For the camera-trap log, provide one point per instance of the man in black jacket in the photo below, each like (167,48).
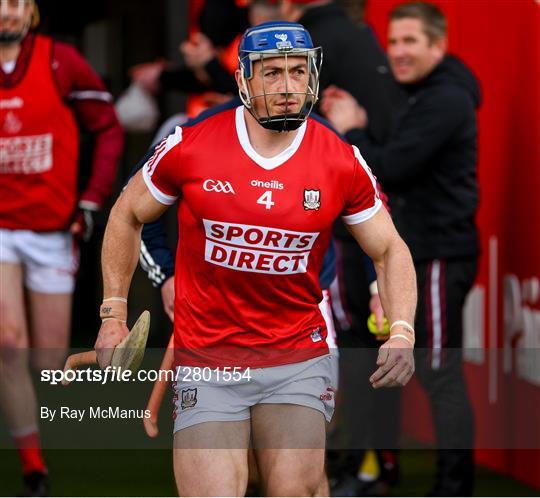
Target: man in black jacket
(427,167)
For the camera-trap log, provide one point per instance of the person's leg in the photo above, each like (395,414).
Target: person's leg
(51,262)
(50,319)
(212,433)
(211,459)
(17,396)
(442,288)
(16,393)
(289,443)
(323,489)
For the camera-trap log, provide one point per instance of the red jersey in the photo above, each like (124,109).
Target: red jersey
(253,232)
(39,144)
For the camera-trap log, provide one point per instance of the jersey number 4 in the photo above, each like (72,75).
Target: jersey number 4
(266,200)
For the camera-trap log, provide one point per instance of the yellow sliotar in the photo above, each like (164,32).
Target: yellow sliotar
(372,327)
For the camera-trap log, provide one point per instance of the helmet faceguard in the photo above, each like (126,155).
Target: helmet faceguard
(15,9)
(286,40)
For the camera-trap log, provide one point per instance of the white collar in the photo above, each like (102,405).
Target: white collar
(267,163)
(9,67)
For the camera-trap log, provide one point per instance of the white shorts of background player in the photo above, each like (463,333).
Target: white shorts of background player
(50,259)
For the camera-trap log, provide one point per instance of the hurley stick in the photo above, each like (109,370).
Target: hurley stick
(128,354)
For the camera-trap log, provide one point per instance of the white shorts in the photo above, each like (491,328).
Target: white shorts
(217,398)
(49,259)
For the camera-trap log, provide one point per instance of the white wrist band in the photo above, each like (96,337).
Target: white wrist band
(404,324)
(112,318)
(408,339)
(116,298)
(373,288)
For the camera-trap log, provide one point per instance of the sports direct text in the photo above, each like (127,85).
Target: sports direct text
(26,155)
(257,249)
(119,374)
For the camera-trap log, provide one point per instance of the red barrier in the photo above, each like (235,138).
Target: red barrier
(500,41)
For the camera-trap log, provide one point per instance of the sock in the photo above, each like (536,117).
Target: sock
(28,445)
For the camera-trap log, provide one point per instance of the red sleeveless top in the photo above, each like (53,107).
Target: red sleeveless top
(39,148)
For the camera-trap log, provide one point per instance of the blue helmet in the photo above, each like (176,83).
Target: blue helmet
(279,39)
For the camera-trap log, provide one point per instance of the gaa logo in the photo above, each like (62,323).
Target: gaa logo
(218,186)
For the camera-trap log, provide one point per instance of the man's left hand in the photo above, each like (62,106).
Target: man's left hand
(395,362)
(83,224)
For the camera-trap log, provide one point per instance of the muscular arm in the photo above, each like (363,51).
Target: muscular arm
(397,288)
(121,243)
(396,277)
(120,253)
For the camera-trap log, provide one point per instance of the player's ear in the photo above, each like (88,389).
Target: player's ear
(243,89)
(238,78)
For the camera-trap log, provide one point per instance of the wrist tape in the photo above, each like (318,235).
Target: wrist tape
(113,307)
(406,333)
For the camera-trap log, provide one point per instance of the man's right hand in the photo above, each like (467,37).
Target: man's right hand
(197,51)
(111,333)
(147,75)
(342,110)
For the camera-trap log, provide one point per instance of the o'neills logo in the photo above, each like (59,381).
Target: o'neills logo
(257,249)
(13,103)
(274,184)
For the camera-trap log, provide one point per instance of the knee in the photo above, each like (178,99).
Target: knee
(13,346)
(12,334)
(234,484)
(284,481)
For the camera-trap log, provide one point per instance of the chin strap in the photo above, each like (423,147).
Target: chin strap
(281,123)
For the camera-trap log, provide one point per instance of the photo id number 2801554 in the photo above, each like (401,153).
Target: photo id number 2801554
(220,374)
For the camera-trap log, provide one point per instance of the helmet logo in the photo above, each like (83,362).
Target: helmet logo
(284,44)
